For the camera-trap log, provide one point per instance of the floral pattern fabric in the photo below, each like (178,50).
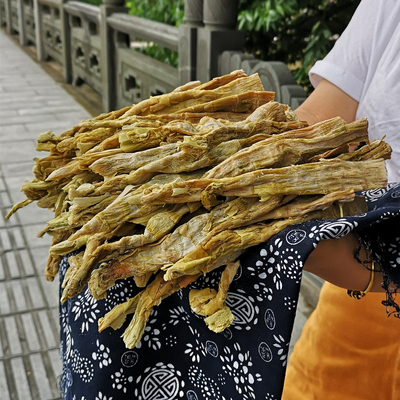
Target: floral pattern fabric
(178,356)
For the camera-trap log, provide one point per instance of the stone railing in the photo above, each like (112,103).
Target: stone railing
(135,76)
(81,35)
(49,30)
(98,46)
(275,76)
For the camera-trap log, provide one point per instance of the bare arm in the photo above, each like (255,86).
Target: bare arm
(327,101)
(333,259)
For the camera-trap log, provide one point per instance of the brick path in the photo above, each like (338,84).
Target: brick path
(31,102)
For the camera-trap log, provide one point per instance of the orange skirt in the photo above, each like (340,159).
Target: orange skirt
(349,350)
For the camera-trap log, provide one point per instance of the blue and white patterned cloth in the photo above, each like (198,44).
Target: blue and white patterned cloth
(178,356)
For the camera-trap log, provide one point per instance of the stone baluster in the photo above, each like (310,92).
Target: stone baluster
(220,14)
(21,23)
(219,34)
(194,12)
(37,15)
(7,12)
(107,64)
(66,44)
(193,19)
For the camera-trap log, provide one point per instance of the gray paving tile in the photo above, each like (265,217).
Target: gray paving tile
(5,200)
(2,270)
(8,224)
(5,305)
(65,101)
(13,185)
(16,151)
(23,135)
(71,116)
(41,81)
(31,231)
(19,264)
(5,242)
(22,119)
(8,132)
(21,103)
(14,344)
(40,255)
(52,109)
(35,292)
(19,372)
(51,291)
(54,356)
(3,382)
(54,311)
(3,222)
(33,214)
(41,378)
(16,237)
(4,113)
(55,125)
(21,66)
(50,331)
(9,82)
(11,91)
(19,169)
(31,334)
(51,91)
(17,291)
(13,266)
(1,349)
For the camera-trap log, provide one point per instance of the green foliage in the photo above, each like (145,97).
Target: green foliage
(296,32)
(169,12)
(162,54)
(93,2)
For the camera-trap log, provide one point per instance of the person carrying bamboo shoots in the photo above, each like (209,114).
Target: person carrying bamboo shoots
(182,225)
(350,348)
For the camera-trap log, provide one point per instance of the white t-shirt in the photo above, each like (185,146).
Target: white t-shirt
(365,63)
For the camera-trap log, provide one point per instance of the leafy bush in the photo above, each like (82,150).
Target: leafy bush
(297,32)
(169,12)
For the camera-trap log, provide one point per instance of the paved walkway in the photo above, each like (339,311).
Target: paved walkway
(31,102)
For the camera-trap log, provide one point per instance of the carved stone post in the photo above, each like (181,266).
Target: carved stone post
(218,35)
(194,12)
(107,65)
(37,15)
(220,14)
(187,48)
(7,9)
(66,44)
(21,23)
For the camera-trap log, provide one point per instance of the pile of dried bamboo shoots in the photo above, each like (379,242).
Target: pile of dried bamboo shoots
(183,183)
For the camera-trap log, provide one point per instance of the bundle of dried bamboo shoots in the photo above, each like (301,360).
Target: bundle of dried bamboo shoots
(181,184)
